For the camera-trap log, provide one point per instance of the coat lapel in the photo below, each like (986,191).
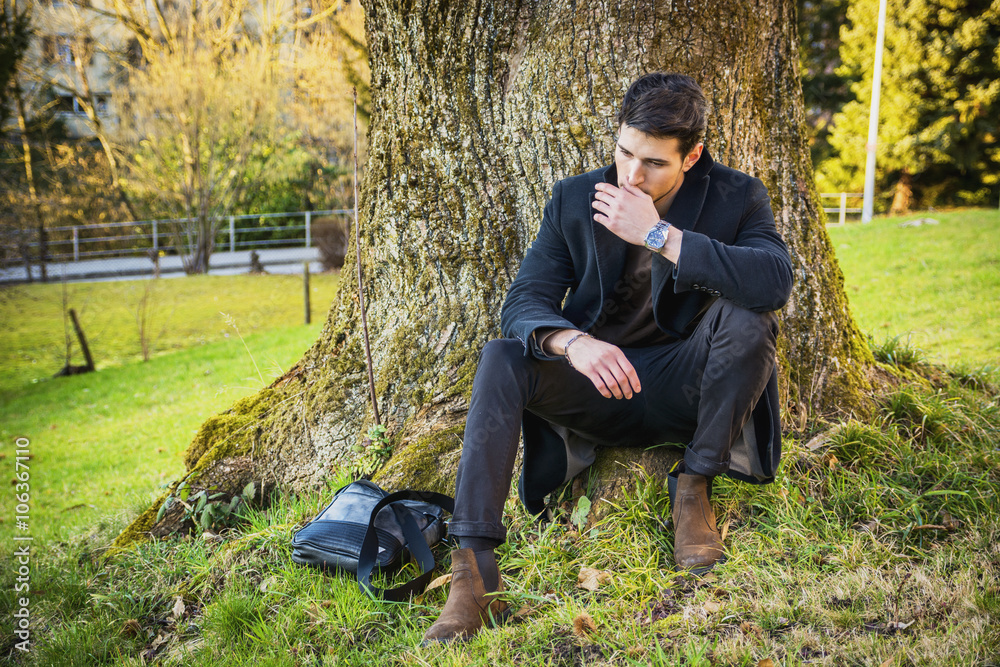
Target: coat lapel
(683,214)
(608,248)
(690,199)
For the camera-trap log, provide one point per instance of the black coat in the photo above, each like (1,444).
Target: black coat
(730,249)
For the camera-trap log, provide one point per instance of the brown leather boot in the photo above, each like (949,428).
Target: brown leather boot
(469,606)
(697,543)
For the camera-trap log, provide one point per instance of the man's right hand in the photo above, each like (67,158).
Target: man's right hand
(603,363)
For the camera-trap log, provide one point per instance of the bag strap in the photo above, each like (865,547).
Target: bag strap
(414,540)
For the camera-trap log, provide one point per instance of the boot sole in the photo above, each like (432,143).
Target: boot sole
(498,620)
(701,570)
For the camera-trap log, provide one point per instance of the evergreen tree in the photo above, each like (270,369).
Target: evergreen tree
(940,105)
(824,89)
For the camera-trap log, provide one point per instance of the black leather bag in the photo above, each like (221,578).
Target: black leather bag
(365,529)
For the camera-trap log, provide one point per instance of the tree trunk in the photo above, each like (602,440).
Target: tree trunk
(902,196)
(477,109)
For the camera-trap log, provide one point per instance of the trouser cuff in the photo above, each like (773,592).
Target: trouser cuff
(699,465)
(477,529)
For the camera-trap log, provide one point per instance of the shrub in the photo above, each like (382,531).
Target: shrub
(331,235)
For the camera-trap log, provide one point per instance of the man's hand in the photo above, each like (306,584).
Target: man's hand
(603,363)
(628,212)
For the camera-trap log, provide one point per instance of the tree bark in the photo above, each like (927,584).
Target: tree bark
(477,109)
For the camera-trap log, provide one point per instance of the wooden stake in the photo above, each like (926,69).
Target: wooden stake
(361,292)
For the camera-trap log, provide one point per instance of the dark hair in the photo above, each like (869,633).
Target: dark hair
(666,105)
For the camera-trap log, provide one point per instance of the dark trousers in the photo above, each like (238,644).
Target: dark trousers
(699,390)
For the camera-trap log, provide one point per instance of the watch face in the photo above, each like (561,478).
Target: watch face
(655,238)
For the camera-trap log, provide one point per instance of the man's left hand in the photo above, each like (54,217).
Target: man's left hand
(628,212)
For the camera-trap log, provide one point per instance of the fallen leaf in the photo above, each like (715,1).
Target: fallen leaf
(267,583)
(178,609)
(949,522)
(314,612)
(583,624)
(766,662)
(831,461)
(130,628)
(523,611)
(822,438)
(591,578)
(439,582)
(887,662)
(725,529)
(711,607)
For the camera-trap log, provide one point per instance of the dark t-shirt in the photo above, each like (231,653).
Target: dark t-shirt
(627,321)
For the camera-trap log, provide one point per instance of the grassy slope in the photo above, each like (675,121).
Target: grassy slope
(184,312)
(100,439)
(939,283)
(878,547)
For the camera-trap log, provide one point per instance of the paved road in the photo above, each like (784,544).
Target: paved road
(275,260)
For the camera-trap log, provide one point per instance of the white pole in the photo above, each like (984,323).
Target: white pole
(867,208)
(308,231)
(232,234)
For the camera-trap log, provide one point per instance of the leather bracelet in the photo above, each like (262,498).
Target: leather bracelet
(570,342)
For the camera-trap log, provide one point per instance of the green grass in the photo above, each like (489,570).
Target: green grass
(103,440)
(937,286)
(182,313)
(880,545)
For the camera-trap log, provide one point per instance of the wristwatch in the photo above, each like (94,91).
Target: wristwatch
(657,236)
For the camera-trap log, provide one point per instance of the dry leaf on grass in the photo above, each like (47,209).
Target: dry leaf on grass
(591,578)
(584,624)
(766,662)
(131,628)
(315,612)
(178,609)
(523,611)
(711,607)
(437,583)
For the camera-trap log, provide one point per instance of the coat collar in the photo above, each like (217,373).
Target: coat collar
(611,251)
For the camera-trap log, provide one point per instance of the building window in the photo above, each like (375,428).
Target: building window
(59,49)
(68,105)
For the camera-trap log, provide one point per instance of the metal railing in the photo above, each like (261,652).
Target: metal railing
(80,242)
(843,209)
(149,247)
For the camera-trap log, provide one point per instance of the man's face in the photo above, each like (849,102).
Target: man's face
(653,165)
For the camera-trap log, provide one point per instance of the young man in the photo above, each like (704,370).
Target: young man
(643,313)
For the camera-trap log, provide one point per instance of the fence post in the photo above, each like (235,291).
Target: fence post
(843,207)
(156,239)
(232,234)
(308,230)
(76,244)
